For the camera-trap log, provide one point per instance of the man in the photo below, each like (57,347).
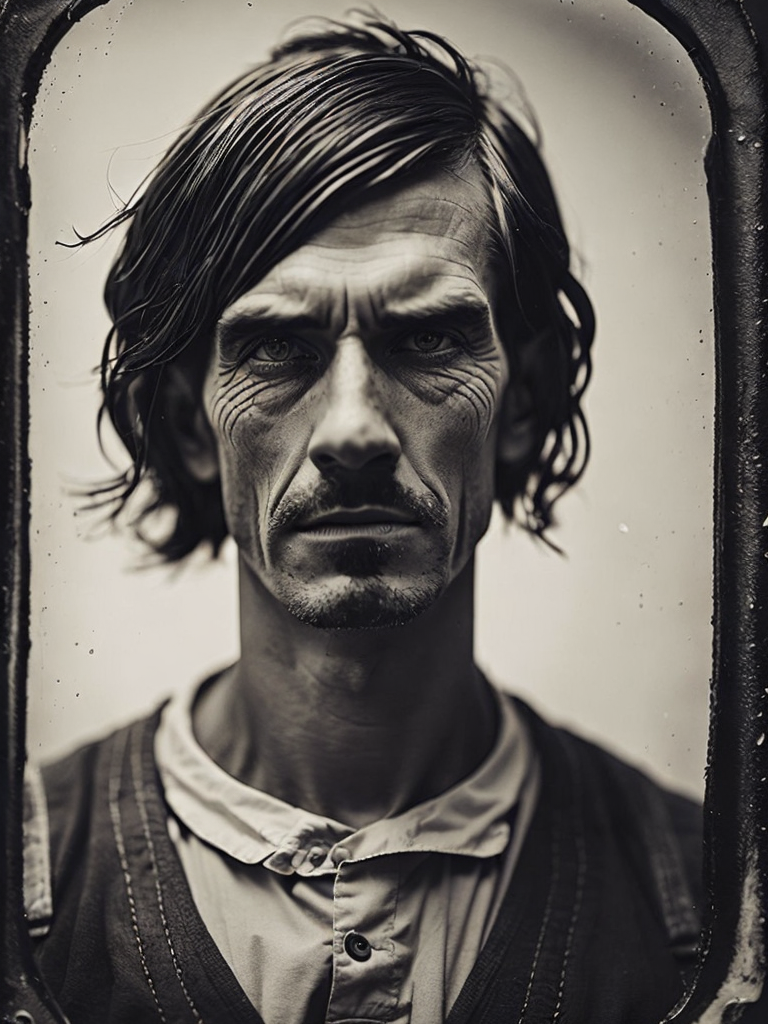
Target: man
(344,323)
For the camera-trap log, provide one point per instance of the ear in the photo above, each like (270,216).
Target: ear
(190,426)
(518,433)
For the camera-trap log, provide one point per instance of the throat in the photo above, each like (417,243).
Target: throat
(346,755)
(353,725)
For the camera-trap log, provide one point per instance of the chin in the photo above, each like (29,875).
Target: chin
(362,604)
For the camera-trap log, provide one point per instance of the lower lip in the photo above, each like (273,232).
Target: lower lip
(344,531)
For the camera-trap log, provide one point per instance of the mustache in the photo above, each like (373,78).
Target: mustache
(330,495)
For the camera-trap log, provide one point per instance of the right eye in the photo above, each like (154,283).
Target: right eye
(279,350)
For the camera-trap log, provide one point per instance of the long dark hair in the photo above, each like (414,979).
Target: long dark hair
(330,117)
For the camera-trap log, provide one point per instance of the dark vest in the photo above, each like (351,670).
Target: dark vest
(598,926)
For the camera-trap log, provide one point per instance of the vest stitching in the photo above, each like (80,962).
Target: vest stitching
(138,790)
(545,920)
(114,813)
(580,876)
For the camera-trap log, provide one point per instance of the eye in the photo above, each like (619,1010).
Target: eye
(279,350)
(427,342)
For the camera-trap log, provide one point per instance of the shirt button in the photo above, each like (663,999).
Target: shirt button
(316,856)
(357,946)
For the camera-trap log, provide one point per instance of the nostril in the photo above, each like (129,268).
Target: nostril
(323,460)
(338,442)
(353,456)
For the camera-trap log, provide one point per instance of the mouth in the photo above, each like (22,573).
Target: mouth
(368,520)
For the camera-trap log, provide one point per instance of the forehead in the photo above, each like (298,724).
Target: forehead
(426,237)
(445,206)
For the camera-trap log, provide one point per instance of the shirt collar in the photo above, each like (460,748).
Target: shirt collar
(471,818)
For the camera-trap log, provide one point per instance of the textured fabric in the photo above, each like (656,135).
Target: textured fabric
(594,927)
(279,887)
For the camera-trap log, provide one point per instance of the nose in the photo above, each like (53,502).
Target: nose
(353,429)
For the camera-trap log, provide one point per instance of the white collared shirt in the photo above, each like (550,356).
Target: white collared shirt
(321,922)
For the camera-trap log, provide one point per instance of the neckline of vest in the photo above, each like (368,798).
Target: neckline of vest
(538,923)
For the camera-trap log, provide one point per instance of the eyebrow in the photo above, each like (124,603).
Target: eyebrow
(240,326)
(467,311)
(458,310)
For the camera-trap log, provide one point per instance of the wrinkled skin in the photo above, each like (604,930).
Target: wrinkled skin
(354,396)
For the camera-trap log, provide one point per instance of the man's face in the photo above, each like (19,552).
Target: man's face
(353,395)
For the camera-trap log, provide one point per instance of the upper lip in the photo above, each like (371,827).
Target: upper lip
(362,514)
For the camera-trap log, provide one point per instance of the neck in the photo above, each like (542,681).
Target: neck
(352,724)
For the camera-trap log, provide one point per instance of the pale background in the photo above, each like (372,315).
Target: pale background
(613,640)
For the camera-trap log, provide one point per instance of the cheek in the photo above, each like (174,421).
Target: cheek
(240,408)
(463,430)
(468,395)
(457,462)
(255,446)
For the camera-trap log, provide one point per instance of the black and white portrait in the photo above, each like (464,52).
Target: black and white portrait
(372,390)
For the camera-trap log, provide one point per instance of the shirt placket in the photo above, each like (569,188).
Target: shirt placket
(368,965)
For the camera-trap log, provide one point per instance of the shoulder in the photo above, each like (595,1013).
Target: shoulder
(626,788)
(650,834)
(668,825)
(67,812)
(78,784)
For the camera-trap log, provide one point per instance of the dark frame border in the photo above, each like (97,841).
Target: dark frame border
(724,49)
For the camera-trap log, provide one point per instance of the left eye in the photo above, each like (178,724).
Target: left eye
(427,342)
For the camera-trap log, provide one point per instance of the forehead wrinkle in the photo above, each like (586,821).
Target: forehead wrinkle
(430,294)
(469,245)
(412,291)
(396,288)
(430,288)
(295,302)
(423,220)
(293,290)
